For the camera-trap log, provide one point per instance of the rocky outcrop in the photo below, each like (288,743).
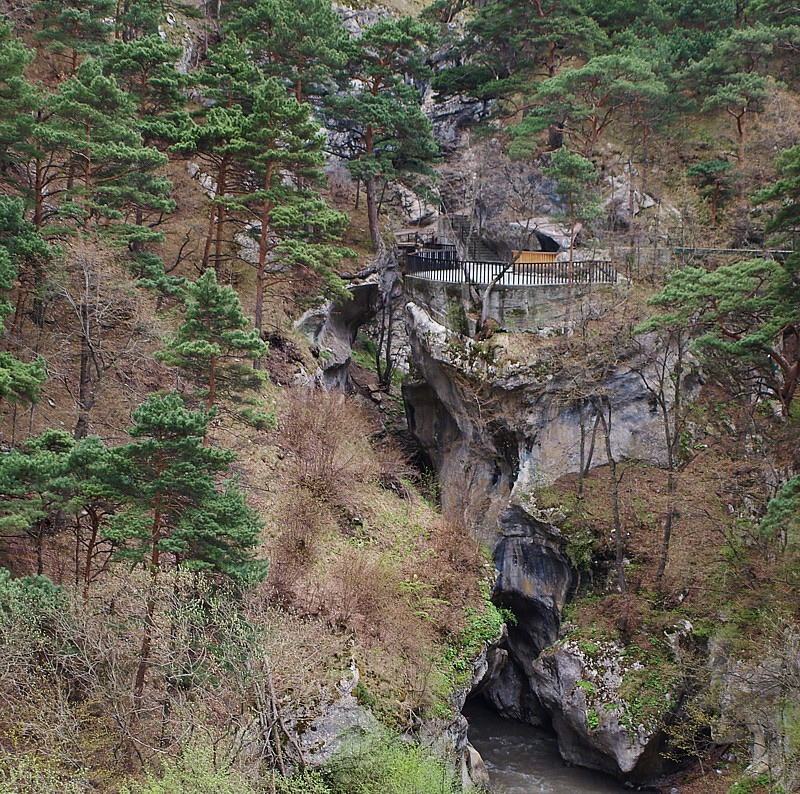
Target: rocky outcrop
(496,428)
(452,118)
(580,686)
(492,423)
(332,329)
(449,735)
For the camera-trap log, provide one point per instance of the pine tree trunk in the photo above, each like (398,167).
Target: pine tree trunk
(209,236)
(221,189)
(38,195)
(714,204)
(212,383)
(372,212)
(85,390)
(568,310)
(263,248)
(87,573)
(150,609)
(40,547)
(740,149)
(668,522)
(671,440)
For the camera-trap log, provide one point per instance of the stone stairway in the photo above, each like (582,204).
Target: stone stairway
(468,242)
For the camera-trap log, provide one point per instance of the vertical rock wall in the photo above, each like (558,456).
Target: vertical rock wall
(494,436)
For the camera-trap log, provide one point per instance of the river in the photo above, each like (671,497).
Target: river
(525,760)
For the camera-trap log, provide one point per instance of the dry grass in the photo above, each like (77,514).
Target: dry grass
(351,544)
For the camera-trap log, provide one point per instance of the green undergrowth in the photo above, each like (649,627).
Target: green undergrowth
(377,763)
(752,785)
(382,763)
(34,775)
(481,626)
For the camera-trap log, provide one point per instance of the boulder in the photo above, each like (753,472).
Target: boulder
(580,686)
(335,729)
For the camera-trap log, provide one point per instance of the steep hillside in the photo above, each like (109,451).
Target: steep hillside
(260,520)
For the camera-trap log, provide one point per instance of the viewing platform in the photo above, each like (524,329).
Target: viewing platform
(531,293)
(444,266)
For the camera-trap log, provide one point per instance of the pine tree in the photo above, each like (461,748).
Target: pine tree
(36,489)
(301,42)
(713,178)
(584,101)
(231,76)
(74,27)
(136,19)
(20,244)
(177,511)
(52,478)
(145,69)
(782,518)
(528,39)
(216,143)
(215,136)
(212,341)
(746,312)
(18,99)
(95,502)
(380,113)
(786,191)
(117,180)
(293,222)
(27,166)
(734,77)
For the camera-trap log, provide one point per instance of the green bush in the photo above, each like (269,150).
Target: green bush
(194,773)
(384,764)
(302,783)
(30,775)
(749,785)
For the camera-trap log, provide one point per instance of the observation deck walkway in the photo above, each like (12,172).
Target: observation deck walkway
(445,267)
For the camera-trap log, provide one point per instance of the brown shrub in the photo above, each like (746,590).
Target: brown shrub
(301,520)
(325,438)
(452,566)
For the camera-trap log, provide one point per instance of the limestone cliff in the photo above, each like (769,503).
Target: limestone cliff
(495,428)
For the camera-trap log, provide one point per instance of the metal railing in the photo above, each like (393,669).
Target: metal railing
(444,266)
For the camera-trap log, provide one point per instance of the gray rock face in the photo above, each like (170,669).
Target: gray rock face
(594,725)
(416,210)
(624,201)
(758,700)
(510,693)
(332,329)
(338,725)
(452,117)
(496,433)
(534,580)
